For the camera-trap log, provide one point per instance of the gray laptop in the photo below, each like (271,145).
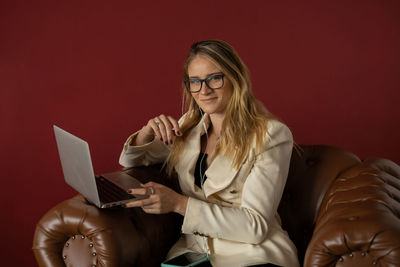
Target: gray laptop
(105,190)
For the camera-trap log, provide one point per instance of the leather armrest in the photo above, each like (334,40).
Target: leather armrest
(76,233)
(358,221)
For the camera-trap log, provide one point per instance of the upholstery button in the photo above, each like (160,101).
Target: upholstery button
(83,237)
(196,233)
(91,245)
(64,257)
(233,191)
(67,244)
(341,259)
(353,218)
(351,255)
(311,162)
(94,253)
(73,237)
(363,254)
(375,262)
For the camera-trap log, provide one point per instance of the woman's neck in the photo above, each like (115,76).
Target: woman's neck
(216,123)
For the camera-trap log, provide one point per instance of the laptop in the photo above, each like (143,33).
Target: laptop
(105,190)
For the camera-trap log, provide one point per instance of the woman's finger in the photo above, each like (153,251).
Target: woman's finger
(138,191)
(148,202)
(175,126)
(151,184)
(151,210)
(162,129)
(133,204)
(141,203)
(154,124)
(167,128)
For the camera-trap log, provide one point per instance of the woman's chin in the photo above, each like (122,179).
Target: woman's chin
(208,110)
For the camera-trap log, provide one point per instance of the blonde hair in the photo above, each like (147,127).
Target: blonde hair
(246,118)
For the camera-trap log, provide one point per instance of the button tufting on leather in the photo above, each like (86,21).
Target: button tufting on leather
(363,254)
(74,246)
(375,262)
(341,259)
(353,218)
(351,255)
(311,162)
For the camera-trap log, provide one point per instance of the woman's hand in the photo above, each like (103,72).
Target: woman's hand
(161,199)
(162,127)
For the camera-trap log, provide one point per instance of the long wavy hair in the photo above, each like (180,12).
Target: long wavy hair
(246,118)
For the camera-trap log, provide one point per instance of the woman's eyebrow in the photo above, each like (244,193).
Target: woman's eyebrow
(208,75)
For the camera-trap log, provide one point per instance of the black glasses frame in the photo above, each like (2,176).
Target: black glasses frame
(206,80)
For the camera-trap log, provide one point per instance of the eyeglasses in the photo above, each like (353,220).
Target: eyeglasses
(213,82)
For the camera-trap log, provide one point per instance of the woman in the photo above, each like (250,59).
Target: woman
(232,159)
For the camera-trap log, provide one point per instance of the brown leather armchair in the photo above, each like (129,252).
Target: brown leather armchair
(338,210)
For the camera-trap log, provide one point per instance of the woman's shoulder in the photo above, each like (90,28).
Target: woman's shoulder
(277,131)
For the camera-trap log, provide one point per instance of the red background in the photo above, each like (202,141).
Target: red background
(100,69)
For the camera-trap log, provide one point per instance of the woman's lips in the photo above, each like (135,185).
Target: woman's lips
(208,100)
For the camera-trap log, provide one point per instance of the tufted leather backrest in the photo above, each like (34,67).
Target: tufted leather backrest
(312,171)
(340,211)
(358,223)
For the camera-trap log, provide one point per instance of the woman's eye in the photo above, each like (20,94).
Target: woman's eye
(194,81)
(214,78)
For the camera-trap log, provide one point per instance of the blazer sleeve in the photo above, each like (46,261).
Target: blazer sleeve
(148,154)
(144,155)
(261,195)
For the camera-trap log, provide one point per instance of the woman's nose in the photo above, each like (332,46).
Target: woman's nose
(205,89)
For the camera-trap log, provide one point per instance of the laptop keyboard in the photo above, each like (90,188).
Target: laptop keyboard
(109,192)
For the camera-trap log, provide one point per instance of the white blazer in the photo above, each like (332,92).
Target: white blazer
(235,219)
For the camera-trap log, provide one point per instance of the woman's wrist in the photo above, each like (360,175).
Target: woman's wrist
(141,138)
(181,204)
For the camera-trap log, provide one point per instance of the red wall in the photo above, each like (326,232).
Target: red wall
(101,69)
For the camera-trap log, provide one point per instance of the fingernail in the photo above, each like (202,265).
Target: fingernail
(179,133)
(129,191)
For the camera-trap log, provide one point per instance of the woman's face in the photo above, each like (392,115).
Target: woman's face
(209,100)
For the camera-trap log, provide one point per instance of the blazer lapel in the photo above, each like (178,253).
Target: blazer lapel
(219,174)
(187,163)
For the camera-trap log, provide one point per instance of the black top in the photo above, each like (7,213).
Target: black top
(200,169)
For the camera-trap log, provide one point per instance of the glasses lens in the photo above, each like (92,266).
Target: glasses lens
(215,81)
(194,85)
